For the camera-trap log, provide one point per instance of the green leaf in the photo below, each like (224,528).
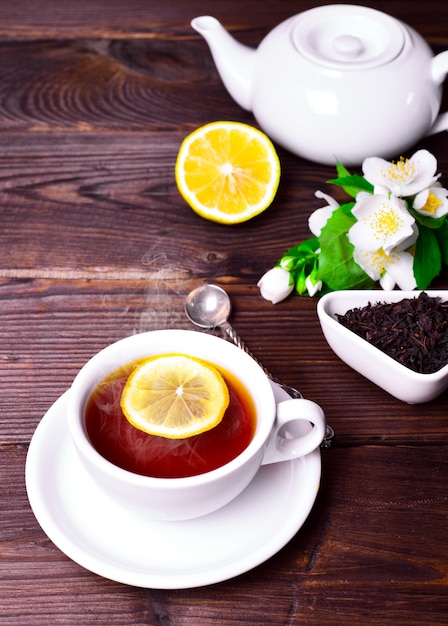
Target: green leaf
(337,268)
(442,238)
(427,257)
(341,170)
(307,246)
(352,184)
(297,256)
(300,285)
(303,248)
(429,222)
(347,208)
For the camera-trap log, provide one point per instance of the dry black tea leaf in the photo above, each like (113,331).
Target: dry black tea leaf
(413,331)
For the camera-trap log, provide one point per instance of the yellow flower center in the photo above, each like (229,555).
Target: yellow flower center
(384,221)
(432,204)
(379,261)
(402,171)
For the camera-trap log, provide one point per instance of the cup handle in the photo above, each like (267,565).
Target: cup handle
(299,429)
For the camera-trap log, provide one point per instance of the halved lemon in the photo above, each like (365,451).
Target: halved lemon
(228,172)
(174,396)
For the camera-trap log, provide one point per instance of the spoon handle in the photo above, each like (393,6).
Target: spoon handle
(233,335)
(294,393)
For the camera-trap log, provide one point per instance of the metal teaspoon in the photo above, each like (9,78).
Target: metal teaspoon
(209,306)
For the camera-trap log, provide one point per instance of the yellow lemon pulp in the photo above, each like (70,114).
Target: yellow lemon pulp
(228,172)
(174,396)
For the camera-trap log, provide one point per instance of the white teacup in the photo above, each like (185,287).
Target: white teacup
(279,435)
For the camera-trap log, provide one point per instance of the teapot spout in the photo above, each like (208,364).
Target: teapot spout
(233,60)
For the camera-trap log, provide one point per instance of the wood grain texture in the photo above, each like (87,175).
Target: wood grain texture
(97,244)
(370,552)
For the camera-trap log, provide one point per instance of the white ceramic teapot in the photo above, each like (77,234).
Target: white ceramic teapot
(337,82)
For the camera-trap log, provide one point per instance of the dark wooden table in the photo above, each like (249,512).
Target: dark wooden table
(97,244)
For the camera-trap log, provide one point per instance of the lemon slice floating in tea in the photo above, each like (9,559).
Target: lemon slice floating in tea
(175,396)
(228,172)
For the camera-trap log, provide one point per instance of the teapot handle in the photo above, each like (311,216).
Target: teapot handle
(439,69)
(440,124)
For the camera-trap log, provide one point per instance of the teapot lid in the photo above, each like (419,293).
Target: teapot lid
(348,36)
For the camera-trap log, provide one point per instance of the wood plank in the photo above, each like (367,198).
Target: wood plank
(371,552)
(52,327)
(97,244)
(20,19)
(99,206)
(100,189)
(86,85)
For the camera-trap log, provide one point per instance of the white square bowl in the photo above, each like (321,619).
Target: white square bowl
(395,378)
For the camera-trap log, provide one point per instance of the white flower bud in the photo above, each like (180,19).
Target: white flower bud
(313,287)
(276,284)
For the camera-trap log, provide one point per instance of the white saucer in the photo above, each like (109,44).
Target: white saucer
(111,542)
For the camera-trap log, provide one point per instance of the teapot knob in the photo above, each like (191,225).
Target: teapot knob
(348,46)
